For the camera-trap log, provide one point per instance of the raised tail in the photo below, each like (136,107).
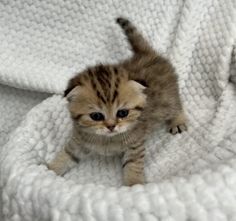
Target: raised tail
(138,43)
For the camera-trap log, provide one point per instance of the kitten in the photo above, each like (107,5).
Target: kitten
(114,107)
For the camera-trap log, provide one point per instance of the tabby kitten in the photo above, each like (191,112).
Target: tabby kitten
(113,107)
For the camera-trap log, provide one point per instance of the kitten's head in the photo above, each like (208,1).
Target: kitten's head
(104,101)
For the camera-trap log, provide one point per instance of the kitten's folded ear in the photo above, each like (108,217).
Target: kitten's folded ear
(135,84)
(142,82)
(67,91)
(72,93)
(72,84)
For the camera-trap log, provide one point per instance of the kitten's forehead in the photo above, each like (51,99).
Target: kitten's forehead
(105,82)
(106,89)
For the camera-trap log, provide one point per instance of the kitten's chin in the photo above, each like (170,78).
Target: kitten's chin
(101,132)
(107,134)
(111,134)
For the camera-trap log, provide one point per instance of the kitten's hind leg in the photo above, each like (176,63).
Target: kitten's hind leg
(137,41)
(62,163)
(178,124)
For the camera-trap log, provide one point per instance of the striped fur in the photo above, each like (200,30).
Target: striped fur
(144,85)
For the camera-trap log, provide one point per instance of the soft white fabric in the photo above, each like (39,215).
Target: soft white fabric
(14,104)
(191,176)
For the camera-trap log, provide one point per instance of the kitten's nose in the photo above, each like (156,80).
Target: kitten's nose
(111,127)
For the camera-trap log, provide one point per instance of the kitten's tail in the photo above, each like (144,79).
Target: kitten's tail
(135,38)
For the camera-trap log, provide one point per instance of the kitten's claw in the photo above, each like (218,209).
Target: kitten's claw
(178,124)
(178,129)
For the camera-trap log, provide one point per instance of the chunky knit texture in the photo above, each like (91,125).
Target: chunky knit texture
(191,176)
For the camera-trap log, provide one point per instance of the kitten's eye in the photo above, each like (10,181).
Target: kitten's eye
(97,116)
(122,113)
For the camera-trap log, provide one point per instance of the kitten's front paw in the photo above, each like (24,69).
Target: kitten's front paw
(130,181)
(56,168)
(132,178)
(174,129)
(60,168)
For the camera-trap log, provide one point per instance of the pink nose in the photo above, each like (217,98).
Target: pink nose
(111,127)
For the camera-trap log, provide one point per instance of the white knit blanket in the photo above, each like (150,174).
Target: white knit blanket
(191,176)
